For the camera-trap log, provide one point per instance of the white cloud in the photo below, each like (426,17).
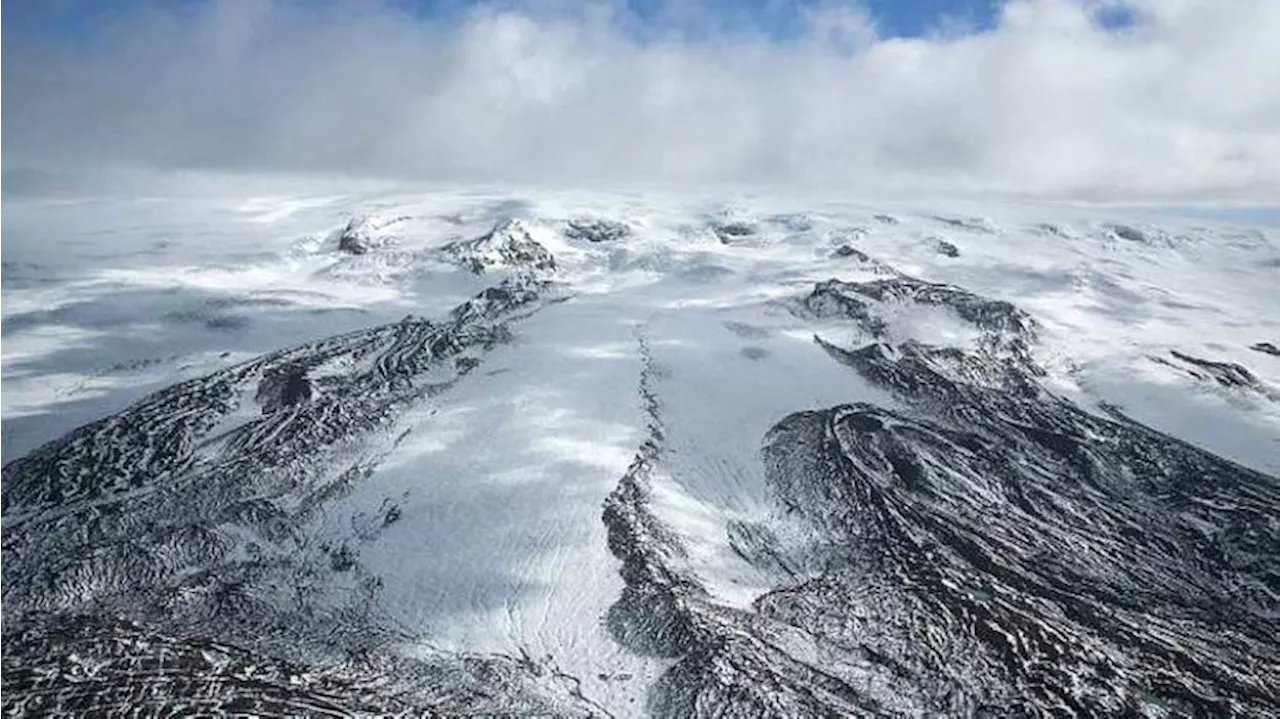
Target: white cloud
(1184,104)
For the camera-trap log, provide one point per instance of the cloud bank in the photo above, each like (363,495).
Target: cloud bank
(1184,102)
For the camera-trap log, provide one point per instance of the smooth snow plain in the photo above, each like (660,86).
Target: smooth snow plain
(500,480)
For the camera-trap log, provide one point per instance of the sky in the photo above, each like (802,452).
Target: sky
(780,20)
(1127,100)
(64,19)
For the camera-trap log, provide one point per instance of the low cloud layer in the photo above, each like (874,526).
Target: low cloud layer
(1183,103)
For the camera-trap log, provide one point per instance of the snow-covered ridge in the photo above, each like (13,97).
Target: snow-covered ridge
(582,455)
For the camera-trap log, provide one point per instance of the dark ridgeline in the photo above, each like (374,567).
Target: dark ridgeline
(992,551)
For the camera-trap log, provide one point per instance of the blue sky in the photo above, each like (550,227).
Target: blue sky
(69,20)
(909,18)
(893,18)
(53,19)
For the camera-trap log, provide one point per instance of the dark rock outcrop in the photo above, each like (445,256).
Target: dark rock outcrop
(1128,232)
(353,240)
(1007,330)
(988,549)
(131,540)
(847,251)
(93,666)
(733,230)
(283,387)
(1226,374)
(359,236)
(596,230)
(945,248)
(1266,348)
(508,245)
(972,224)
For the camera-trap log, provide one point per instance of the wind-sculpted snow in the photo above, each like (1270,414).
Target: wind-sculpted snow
(693,461)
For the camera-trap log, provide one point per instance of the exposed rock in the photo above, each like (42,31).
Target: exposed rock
(1266,348)
(86,665)
(1226,374)
(596,230)
(509,244)
(182,512)
(503,299)
(733,230)
(1128,232)
(1144,235)
(283,387)
(353,239)
(847,251)
(945,248)
(994,551)
(363,234)
(1051,230)
(973,224)
(1028,518)
(1008,331)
